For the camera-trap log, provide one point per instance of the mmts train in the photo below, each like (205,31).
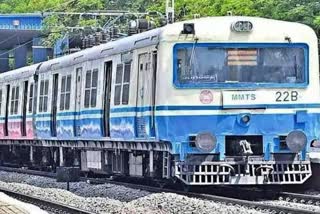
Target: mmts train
(211,101)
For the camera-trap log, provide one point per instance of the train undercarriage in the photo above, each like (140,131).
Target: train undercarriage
(153,160)
(143,159)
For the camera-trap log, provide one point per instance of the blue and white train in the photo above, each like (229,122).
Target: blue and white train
(210,101)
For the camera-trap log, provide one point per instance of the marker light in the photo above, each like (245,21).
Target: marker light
(206,142)
(188,28)
(315,144)
(296,141)
(242,26)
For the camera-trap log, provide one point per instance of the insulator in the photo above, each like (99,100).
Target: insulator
(104,37)
(97,38)
(91,41)
(85,42)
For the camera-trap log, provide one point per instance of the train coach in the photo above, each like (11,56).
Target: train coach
(210,101)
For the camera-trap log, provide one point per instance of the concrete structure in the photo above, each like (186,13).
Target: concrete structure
(18,33)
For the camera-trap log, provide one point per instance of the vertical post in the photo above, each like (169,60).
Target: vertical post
(68,185)
(61,163)
(44,156)
(166,165)
(170,11)
(151,163)
(55,154)
(31,155)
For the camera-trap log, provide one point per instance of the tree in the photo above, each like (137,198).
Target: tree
(304,11)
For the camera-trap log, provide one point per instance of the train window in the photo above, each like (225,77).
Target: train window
(86,98)
(68,92)
(14,100)
(62,94)
(126,76)
(43,99)
(119,73)
(41,96)
(30,98)
(126,84)
(65,92)
(90,95)
(13,91)
(117,94)
(94,87)
(206,64)
(122,84)
(117,89)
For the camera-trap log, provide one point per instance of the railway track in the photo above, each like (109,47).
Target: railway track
(49,206)
(258,205)
(299,198)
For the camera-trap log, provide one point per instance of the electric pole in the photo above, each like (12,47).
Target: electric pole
(170,11)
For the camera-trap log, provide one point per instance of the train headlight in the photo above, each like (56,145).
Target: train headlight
(242,26)
(206,142)
(296,141)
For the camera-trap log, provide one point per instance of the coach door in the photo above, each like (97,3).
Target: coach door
(77,124)
(24,109)
(107,98)
(54,105)
(144,97)
(6,131)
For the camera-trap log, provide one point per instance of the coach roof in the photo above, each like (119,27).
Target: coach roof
(122,45)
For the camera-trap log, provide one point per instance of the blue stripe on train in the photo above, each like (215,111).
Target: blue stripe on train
(66,129)
(175,108)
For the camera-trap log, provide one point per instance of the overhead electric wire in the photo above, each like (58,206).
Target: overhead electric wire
(7,39)
(19,46)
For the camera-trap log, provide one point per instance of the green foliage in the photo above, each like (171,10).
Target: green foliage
(54,29)
(26,6)
(85,5)
(304,11)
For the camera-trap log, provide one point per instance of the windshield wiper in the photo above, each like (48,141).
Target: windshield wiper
(191,61)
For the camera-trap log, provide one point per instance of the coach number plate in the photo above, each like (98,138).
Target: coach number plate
(238,99)
(287,96)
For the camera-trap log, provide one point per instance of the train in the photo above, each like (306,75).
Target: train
(231,100)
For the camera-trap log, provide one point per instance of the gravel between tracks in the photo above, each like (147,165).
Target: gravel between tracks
(83,189)
(308,207)
(86,197)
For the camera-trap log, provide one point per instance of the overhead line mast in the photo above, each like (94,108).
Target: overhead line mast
(170,11)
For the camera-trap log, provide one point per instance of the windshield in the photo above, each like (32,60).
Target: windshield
(205,64)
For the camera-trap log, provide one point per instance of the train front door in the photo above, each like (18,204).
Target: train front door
(6,130)
(144,121)
(24,109)
(77,124)
(54,105)
(107,98)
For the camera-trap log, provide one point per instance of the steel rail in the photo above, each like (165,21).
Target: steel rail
(299,198)
(52,207)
